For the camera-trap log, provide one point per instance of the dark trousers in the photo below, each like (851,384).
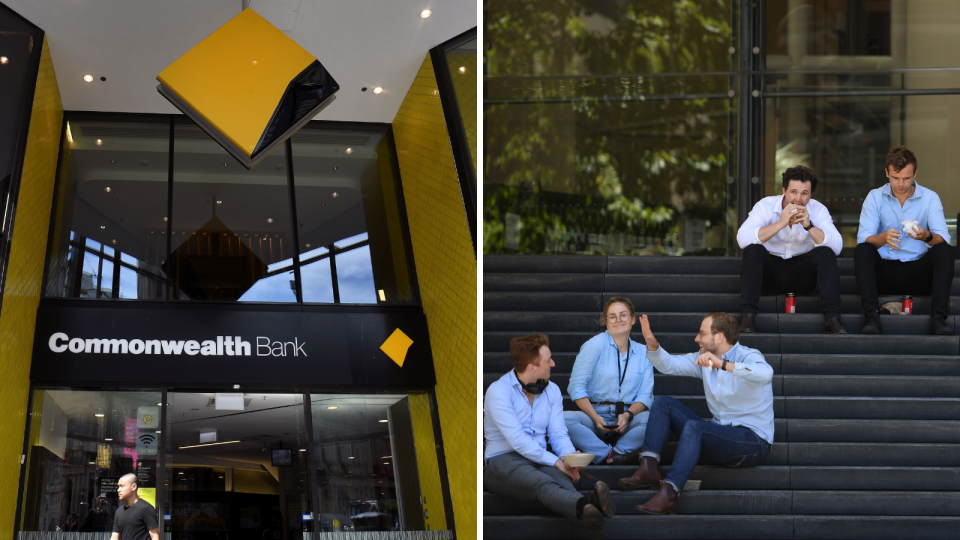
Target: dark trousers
(763,273)
(931,275)
(723,445)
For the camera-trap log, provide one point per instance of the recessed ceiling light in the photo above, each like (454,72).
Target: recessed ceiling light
(377,90)
(383,421)
(332,407)
(114,241)
(349,150)
(425,13)
(334,194)
(269,220)
(92,463)
(4,59)
(99,415)
(99,142)
(103,226)
(463,69)
(88,78)
(165,218)
(308,245)
(108,439)
(351,457)
(303,449)
(219,202)
(107,190)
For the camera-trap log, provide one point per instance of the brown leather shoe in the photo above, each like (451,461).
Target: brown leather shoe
(647,476)
(633,458)
(748,324)
(592,517)
(664,502)
(833,326)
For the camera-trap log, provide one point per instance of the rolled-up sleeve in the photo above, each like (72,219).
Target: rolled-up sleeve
(749,232)
(500,410)
(754,368)
(831,236)
(583,368)
(557,427)
(937,223)
(685,365)
(645,395)
(869,217)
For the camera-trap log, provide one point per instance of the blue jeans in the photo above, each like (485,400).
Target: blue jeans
(585,435)
(722,445)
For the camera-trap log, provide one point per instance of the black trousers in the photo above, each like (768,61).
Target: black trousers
(763,273)
(931,275)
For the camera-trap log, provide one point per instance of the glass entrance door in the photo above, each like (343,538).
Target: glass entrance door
(236,467)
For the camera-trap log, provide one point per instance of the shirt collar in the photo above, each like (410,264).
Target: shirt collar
(732,353)
(610,341)
(917,193)
(778,205)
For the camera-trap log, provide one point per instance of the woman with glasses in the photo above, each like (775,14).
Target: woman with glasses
(612,384)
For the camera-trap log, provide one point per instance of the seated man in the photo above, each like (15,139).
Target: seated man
(789,246)
(890,262)
(520,409)
(736,381)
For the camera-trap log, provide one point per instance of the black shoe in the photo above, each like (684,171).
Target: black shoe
(600,497)
(833,326)
(873,325)
(748,325)
(939,326)
(633,458)
(593,519)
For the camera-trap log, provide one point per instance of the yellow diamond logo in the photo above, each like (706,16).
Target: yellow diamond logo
(396,346)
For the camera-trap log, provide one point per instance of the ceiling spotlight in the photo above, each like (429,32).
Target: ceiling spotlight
(303,449)
(425,13)
(92,463)
(334,194)
(463,69)
(107,190)
(349,150)
(88,78)
(308,245)
(377,90)
(103,226)
(332,407)
(165,218)
(219,202)
(236,386)
(108,439)
(351,457)
(383,421)
(269,220)
(4,59)
(114,241)
(99,142)
(99,414)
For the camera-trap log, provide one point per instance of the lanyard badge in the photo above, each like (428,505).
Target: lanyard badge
(621,377)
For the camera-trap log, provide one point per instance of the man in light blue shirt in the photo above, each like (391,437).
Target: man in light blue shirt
(737,385)
(520,410)
(894,258)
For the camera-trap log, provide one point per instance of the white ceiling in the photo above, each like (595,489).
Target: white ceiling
(361,42)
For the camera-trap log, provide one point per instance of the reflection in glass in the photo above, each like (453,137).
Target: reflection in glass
(348,197)
(112,201)
(84,441)
(462,66)
(229,224)
(845,140)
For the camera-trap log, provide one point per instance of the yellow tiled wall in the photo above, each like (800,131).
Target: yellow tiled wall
(430,487)
(24,272)
(447,274)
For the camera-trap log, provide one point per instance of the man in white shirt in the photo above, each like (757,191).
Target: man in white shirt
(790,245)
(520,411)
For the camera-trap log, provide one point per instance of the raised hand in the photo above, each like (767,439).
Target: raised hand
(652,344)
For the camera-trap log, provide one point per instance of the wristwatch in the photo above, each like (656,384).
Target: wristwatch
(630,413)
(724,365)
(808,228)
(929,237)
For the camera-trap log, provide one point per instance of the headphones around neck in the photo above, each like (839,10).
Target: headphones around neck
(535,387)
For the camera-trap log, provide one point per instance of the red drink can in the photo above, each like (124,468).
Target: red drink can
(791,303)
(908,305)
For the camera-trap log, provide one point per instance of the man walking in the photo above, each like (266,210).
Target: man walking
(136,519)
(789,245)
(520,410)
(916,261)
(736,382)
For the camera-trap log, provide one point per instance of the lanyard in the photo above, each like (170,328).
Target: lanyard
(625,365)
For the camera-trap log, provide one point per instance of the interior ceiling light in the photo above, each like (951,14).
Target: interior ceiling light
(334,194)
(308,245)
(349,150)
(114,241)
(99,414)
(383,421)
(303,449)
(332,408)
(4,59)
(88,78)
(219,202)
(165,218)
(351,457)
(99,142)
(103,226)
(269,220)
(463,69)
(107,190)
(108,439)
(425,13)
(377,90)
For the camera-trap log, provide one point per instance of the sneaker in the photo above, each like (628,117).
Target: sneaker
(873,325)
(939,326)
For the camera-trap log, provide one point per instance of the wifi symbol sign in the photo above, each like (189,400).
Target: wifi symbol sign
(148,443)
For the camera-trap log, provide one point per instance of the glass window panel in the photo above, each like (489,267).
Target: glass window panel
(550,38)
(132,261)
(312,253)
(347,187)
(113,186)
(845,141)
(106,280)
(108,251)
(462,64)
(271,287)
(346,242)
(355,277)
(849,35)
(317,283)
(90,280)
(84,441)
(128,283)
(616,167)
(229,224)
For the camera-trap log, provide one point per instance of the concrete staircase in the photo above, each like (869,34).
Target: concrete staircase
(867,427)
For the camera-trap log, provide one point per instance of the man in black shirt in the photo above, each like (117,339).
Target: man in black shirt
(136,519)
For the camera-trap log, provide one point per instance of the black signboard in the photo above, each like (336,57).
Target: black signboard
(99,342)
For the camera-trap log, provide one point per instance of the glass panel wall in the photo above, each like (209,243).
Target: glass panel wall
(80,444)
(231,230)
(613,135)
(462,66)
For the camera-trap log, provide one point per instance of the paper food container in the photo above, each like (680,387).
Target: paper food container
(578,460)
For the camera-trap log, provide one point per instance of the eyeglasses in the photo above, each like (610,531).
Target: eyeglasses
(622,317)
(705,334)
